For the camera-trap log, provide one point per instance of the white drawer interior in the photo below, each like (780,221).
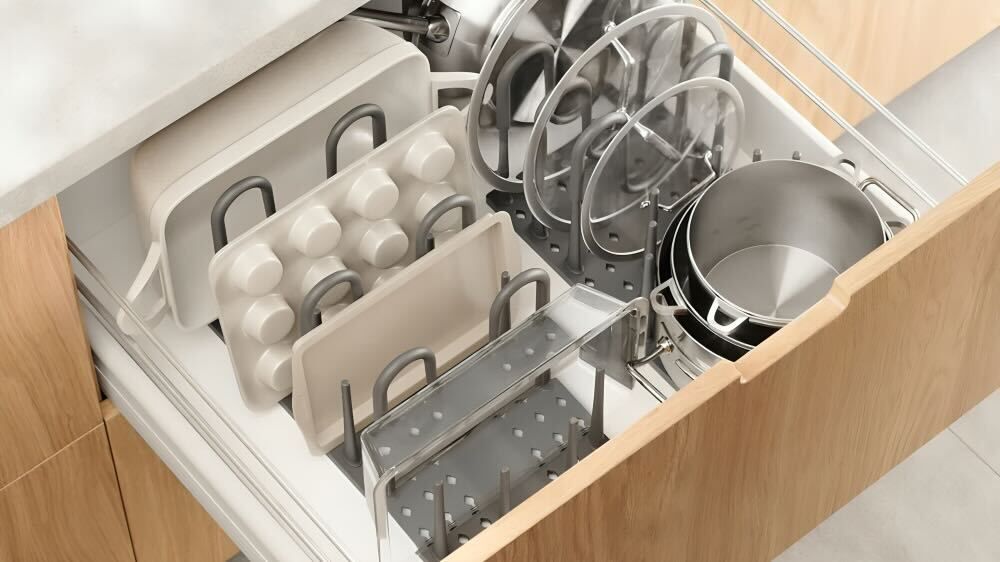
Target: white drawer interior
(306,494)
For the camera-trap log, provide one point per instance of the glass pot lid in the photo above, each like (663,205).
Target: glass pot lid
(630,64)
(538,41)
(671,159)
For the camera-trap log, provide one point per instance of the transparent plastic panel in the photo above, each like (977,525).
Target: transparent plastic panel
(457,399)
(455,457)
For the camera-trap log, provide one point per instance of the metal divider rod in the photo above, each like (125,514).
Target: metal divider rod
(824,107)
(858,89)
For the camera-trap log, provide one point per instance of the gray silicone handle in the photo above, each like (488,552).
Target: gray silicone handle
(503,89)
(219,235)
(501,304)
(379,134)
(309,314)
(380,392)
(424,241)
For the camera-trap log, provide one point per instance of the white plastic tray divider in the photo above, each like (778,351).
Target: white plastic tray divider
(391,160)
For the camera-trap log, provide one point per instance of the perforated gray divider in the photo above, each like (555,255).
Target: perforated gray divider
(529,437)
(620,279)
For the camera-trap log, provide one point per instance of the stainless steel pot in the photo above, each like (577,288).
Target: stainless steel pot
(675,264)
(692,346)
(767,240)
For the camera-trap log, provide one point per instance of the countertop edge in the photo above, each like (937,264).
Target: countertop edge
(168,108)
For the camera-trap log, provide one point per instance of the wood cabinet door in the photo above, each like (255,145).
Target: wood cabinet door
(48,393)
(166,523)
(752,455)
(66,508)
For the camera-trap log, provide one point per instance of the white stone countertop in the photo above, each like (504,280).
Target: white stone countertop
(85,81)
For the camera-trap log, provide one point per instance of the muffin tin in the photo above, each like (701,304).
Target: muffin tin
(440,302)
(272,125)
(363,219)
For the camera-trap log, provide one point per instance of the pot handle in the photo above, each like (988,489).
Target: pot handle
(661,308)
(143,279)
(724,329)
(865,184)
(659,303)
(911,212)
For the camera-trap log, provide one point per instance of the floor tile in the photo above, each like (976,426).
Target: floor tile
(979,428)
(942,503)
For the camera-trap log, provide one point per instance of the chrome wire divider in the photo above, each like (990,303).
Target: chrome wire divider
(825,107)
(854,85)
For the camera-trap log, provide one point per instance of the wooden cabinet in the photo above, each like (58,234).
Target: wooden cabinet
(166,523)
(752,455)
(59,489)
(66,508)
(47,386)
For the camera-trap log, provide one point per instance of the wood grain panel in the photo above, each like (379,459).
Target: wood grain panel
(67,508)
(48,393)
(166,523)
(886,46)
(751,456)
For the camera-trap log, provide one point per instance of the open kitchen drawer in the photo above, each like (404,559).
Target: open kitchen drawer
(737,464)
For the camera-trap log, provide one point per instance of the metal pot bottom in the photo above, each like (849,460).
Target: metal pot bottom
(773,280)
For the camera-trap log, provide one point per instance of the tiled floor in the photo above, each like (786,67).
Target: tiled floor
(943,503)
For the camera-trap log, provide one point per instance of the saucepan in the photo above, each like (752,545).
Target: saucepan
(767,240)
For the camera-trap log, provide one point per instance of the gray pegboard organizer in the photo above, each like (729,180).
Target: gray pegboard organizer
(524,349)
(336,455)
(528,436)
(622,279)
(491,512)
